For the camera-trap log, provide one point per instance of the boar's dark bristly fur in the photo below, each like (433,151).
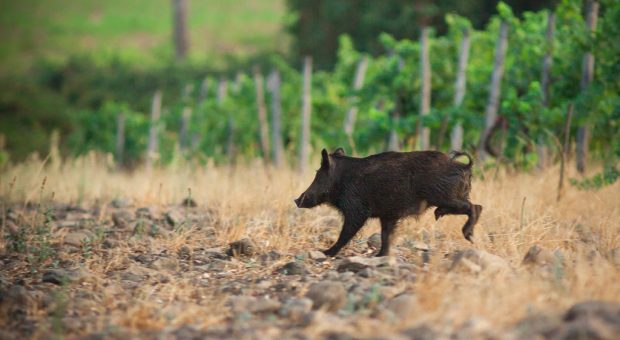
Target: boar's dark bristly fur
(391,186)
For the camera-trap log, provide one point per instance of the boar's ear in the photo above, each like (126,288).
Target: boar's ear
(324,159)
(339,152)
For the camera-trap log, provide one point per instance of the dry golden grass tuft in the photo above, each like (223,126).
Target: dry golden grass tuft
(520,210)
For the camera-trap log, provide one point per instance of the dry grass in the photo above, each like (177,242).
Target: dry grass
(520,210)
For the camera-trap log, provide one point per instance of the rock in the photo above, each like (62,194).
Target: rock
(536,326)
(475,328)
(122,218)
(175,218)
(64,276)
(538,256)
(147,212)
(475,260)
(328,295)
(296,308)
(402,305)
(189,202)
(422,332)
(294,268)
(221,265)
(270,256)
(316,255)
(614,256)
(76,239)
(15,295)
(587,328)
(165,263)
(608,312)
(241,304)
(243,247)
(357,263)
(184,252)
(419,246)
(144,226)
(120,203)
(187,332)
(374,241)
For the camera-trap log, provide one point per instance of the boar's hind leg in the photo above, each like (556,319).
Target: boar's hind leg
(352,224)
(458,207)
(387,227)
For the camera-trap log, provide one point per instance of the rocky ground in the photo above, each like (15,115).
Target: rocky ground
(119,271)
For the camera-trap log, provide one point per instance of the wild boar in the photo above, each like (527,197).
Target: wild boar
(391,186)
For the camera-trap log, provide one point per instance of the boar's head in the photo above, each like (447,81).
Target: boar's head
(318,192)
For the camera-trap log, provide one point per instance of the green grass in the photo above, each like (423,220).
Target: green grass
(139,30)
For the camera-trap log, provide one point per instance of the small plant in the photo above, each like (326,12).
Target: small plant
(608,176)
(59,297)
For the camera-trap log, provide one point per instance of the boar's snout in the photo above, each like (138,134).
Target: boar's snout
(299,201)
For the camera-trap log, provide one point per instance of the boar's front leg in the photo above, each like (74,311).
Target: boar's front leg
(353,222)
(387,227)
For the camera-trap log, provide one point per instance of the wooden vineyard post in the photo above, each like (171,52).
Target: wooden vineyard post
(495,87)
(545,82)
(587,74)
(152,153)
(180,34)
(425,94)
(262,114)
(564,151)
(306,107)
(120,139)
(222,93)
(393,142)
(186,116)
(456,137)
(358,82)
(203,92)
(277,147)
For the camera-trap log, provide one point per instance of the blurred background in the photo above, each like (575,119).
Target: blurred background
(237,80)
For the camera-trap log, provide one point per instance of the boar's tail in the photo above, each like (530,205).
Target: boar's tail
(455,154)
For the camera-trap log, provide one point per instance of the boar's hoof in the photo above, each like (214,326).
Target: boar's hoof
(438,213)
(330,252)
(468,233)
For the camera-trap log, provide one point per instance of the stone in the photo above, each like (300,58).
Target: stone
(64,276)
(606,311)
(184,252)
(175,218)
(270,256)
(475,260)
(327,295)
(317,255)
(358,263)
(120,203)
(614,256)
(76,239)
(536,326)
(150,212)
(587,328)
(422,332)
(296,308)
(241,304)
(242,247)
(122,218)
(165,263)
(538,256)
(374,241)
(402,305)
(293,268)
